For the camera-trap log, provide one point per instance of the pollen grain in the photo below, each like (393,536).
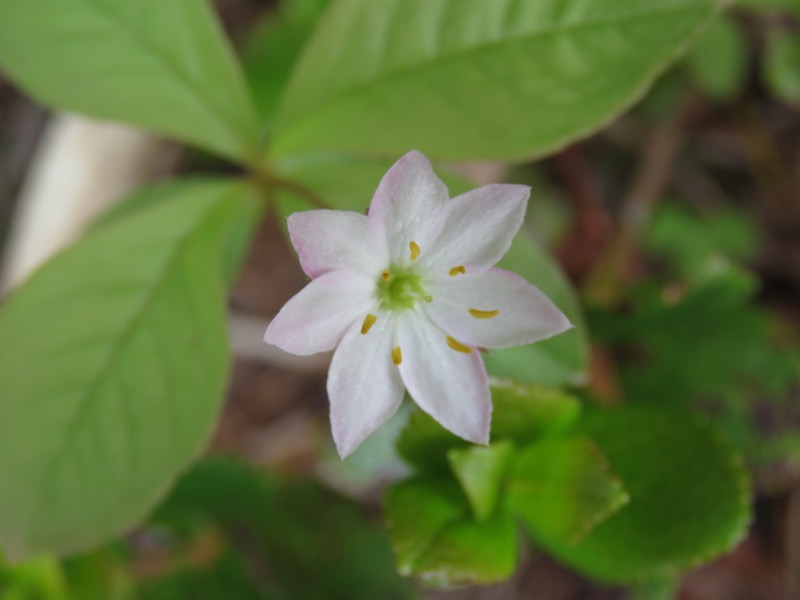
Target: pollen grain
(459,270)
(369,321)
(386,275)
(397,356)
(458,346)
(414,250)
(483,314)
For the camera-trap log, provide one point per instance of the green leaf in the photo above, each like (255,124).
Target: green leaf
(687,241)
(525,412)
(480,471)
(468,79)
(782,65)
(688,496)
(561,360)
(38,579)
(718,60)
(434,536)
(164,66)
(715,308)
(272,49)
(114,364)
(748,392)
(522,413)
(563,488)
(290,527)
(240,231)
(343,182)
(424,443)
(99,575)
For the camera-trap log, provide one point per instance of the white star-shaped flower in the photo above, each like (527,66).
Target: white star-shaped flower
(407,295)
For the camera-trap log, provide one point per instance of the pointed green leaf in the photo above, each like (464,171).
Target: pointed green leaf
(563,488)
(239,233)
(272,49)
(522,413)
(114,363)
(434,536)
(468,79)
(164,66)
(689,496)
(480,471)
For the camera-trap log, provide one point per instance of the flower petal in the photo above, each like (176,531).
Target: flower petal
(449,385)
(317,317)
(525,315)
(364,386)
(405,200)
(473,230)
(337,240)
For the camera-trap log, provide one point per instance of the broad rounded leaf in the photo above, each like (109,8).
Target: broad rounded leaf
(688,496)
(468,79)
(563,488)
(114,363)
(434,536)
(162,65)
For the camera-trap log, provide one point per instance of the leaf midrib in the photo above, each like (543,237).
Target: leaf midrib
(121,341)
(436,61)
(196,92)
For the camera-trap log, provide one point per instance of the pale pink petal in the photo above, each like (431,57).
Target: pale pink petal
(449,385)
(337,240)
(473,230)
(364,386)
(318,316)
(405,200)
(525,314)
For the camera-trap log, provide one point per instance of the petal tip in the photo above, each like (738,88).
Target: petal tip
(345,438)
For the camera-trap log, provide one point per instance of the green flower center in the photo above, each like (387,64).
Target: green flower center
(401,290)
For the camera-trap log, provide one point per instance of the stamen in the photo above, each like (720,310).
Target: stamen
(414,250)
(458,346)
(386,275)
(457,270)
(483,314)
(369,321)
(397,356)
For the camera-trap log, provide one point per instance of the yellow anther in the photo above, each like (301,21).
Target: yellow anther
(397,356)
(458,346)
(369,321)
(459,270)
(483,314)
(414,250)
(386,275)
